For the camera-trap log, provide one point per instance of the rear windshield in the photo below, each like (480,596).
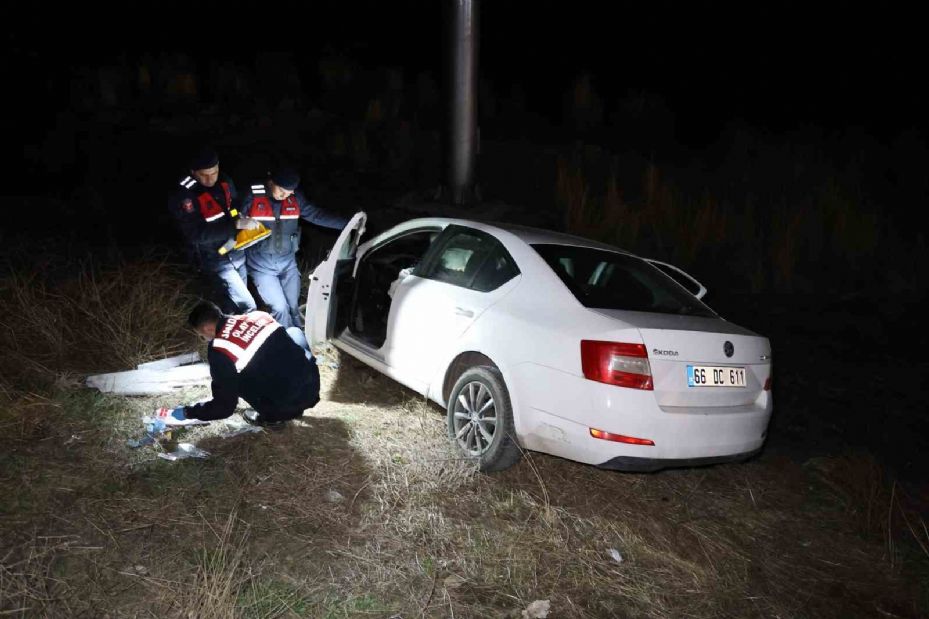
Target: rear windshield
(609,280)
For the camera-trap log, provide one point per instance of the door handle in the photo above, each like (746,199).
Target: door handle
(460,311)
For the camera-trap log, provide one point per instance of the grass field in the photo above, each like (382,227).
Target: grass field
(361,509)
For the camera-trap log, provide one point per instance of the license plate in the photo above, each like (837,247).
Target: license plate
(715,376)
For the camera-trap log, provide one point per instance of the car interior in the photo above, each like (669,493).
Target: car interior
(363,305)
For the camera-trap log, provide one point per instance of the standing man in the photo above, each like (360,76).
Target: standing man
(251,356)
(273,263)
(204,209)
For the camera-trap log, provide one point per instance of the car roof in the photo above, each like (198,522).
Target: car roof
(527,234)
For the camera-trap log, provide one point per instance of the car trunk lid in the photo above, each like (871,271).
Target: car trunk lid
(678,345)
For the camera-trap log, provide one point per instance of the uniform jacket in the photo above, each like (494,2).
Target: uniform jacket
(282,217)
(252,357)
(206,218)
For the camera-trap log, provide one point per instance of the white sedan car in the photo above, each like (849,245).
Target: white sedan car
(543,341)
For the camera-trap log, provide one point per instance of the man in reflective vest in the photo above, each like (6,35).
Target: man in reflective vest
(252,357)
(272,264)
(204,209)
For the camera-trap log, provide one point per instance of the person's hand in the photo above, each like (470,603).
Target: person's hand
(177,414)
(246,223)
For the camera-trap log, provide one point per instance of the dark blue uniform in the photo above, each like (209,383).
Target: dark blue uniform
(206,217)
(272,263)
(254,358)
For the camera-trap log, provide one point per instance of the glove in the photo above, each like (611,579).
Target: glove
(246,223)
(177,414)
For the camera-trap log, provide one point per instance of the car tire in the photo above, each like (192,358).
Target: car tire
(479,396)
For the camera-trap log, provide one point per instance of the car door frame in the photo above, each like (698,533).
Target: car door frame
(318,319)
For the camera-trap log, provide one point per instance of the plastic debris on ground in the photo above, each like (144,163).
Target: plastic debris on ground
(154,428)
(538,609)
(156,431)
(334,496)
(234,426)
(185,450)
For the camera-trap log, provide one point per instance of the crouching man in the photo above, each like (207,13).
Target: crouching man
(253,357)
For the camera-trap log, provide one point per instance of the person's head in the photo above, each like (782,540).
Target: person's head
(204,166)
(282,183)
(204,318)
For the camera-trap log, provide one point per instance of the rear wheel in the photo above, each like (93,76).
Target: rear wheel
(480,419)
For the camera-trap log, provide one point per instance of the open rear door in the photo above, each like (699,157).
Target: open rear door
(322,291)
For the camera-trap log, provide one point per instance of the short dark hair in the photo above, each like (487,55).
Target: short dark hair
(205,312)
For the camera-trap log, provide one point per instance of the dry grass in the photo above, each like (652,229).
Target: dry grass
(874,504)
(220,575)
(59,318)
(363,509)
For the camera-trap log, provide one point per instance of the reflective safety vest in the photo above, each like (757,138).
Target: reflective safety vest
(209,208)
(283,222)
(241,336)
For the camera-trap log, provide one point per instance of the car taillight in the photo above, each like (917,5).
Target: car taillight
(620,438)
(616,363)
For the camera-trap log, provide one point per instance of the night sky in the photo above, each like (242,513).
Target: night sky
(778,66)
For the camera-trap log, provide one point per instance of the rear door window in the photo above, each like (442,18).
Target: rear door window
(611,280)
(470,259)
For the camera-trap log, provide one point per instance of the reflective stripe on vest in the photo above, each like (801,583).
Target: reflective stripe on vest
(242,336)
(289,208)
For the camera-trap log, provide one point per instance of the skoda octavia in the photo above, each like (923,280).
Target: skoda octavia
(535,340)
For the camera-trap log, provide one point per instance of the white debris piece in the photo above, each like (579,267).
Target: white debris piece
(171,362)
(151,382)
(185,450)
(616,556)
(537,610)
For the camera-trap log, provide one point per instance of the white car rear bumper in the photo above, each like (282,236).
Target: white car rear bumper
(557,410)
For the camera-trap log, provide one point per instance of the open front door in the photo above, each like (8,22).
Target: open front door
(322,281)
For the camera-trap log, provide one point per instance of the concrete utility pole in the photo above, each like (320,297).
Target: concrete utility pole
(462,103)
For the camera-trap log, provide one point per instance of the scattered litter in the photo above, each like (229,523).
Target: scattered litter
(154,428)
(616,556)
(233,426)
(537,610)
(185,450)
(334,496)
(135,443)
(163,415)
(160,429)
(141,570)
